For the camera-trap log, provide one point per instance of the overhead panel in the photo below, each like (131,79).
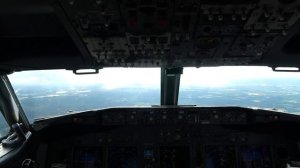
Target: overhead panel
(152,33)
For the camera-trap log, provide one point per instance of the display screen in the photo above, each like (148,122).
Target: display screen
(220,156)
(174,157)
(88,157)
(148,153)
(256,156)
(122,157)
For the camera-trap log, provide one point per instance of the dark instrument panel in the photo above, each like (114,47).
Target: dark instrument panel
(190,137)
(152,33)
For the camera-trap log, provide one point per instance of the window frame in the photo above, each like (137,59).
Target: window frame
(14,116)
(7,134)
(10,105)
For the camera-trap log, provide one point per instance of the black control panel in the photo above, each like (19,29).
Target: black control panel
(167,116)
(191,137)
(152,33)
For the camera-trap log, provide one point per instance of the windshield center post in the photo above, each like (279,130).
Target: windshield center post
(170,82)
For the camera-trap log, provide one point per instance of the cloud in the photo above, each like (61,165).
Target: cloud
(223,76)
(112,78)
(109,78)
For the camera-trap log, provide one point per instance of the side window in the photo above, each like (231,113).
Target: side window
(4,127)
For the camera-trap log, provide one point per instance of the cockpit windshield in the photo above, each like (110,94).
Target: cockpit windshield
(58,92)
(254,87)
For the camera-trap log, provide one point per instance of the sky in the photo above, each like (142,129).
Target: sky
(111,78)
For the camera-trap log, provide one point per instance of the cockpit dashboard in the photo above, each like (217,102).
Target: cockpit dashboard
(169,137)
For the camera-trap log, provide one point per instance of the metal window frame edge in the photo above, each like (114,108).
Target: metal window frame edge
(6,86)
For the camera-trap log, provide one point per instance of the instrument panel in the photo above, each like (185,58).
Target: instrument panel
(188,137)
(152,33)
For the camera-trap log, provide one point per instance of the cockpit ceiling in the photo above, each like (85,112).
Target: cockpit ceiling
(75,34)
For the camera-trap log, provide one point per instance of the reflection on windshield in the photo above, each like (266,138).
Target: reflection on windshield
(56,92)
(257,87)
